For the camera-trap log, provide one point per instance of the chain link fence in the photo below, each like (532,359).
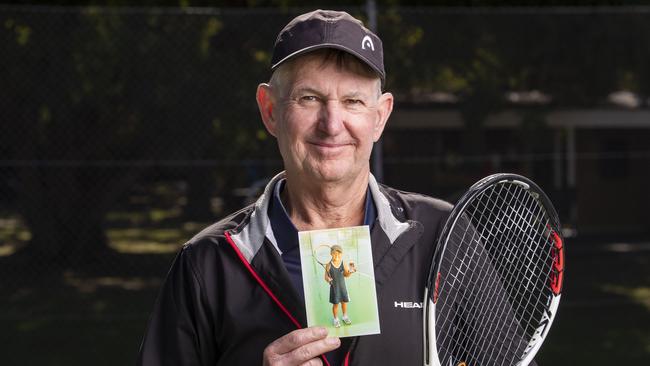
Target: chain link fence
(126,130)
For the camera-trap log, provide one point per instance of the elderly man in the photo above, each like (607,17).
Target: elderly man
(234,293)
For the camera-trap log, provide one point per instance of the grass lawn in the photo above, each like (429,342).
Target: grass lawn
(604,316)
(65,325)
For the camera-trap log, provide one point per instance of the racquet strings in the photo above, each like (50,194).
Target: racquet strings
(494,281)
(322,254)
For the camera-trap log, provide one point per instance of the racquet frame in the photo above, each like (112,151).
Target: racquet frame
(555,279)
(329,248)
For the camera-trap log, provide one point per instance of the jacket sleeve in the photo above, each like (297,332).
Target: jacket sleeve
(179,331)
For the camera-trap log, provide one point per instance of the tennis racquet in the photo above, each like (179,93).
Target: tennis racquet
(322,254)
(496,276)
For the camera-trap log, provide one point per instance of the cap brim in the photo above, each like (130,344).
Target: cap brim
(335,46)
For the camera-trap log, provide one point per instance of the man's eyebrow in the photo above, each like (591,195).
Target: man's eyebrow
(355,94)
(305,90)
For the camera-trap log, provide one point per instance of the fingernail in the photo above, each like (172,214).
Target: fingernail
(321,331)
(333,341)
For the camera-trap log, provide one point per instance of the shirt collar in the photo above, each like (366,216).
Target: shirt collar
(286,233)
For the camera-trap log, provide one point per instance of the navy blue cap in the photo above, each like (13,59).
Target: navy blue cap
(329,29)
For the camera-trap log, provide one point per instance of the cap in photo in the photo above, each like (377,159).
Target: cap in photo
(336,248)
(329,29)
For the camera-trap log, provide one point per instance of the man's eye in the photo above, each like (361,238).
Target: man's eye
(354,101)
(308,98)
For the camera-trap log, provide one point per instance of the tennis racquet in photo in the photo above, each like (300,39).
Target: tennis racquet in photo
(322,254)
(495,280)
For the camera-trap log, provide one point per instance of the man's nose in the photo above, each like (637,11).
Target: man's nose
(331,119)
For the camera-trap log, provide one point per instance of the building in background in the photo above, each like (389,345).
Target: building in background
(593,162)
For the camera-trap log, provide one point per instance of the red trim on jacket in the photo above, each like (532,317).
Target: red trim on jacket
(267,289)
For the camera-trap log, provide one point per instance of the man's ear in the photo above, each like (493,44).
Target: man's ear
(384,109)
(266,103)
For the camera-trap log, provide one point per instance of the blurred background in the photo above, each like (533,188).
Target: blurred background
(124,130)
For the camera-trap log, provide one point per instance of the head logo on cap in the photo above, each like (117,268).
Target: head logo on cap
(367,42)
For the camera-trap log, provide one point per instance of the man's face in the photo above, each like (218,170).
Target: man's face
(326,120)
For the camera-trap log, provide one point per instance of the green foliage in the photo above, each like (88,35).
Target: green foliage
(93,85)
(576,56)
(91,88)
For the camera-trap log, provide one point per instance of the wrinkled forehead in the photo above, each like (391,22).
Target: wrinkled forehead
(321,64)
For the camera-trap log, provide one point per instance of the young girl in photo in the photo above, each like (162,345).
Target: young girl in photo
(335,273)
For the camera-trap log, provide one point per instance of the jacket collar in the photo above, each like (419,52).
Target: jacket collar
(250,237)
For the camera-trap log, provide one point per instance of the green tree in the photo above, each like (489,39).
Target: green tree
(96,97)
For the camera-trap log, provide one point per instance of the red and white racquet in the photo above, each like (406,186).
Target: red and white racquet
(496,277)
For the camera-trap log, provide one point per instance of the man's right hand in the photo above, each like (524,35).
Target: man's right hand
(300,347)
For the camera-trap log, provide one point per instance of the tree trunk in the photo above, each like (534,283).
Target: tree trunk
(474,140)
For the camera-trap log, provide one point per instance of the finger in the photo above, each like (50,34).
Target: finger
(312,350)
(313,362)
(296,339)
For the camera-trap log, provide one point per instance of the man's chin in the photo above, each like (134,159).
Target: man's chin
(336,174)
